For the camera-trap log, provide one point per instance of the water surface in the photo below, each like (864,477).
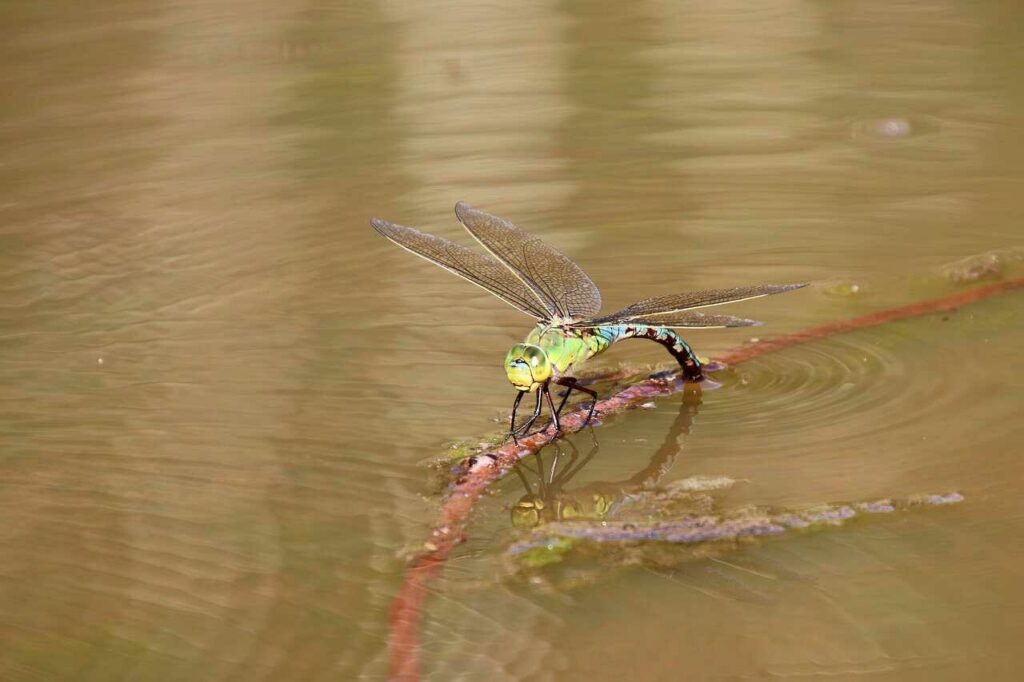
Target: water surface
(218,385)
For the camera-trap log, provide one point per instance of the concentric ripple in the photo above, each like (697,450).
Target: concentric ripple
(855,387)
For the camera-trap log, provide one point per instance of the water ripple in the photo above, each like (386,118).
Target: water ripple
(869,383)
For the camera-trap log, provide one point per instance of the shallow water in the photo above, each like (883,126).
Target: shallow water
(218,386)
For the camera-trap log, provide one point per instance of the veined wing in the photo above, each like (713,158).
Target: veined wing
(557,282)
(664,309)
(480,269)
(692,320)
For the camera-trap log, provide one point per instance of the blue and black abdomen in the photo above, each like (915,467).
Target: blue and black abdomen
(600,338)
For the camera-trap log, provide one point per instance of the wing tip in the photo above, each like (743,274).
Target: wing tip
(389,230)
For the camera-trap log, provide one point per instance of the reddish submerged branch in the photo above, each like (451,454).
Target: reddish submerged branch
(482,470)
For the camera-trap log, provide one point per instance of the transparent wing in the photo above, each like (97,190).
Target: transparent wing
(555,280)
(663,308)
(692,320)
(480,269)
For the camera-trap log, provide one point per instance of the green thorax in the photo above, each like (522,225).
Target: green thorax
(568,347)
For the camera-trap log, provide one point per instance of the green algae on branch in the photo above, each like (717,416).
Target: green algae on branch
(631,538)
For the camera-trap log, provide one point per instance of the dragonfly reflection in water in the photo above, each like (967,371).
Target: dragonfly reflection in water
(547,498)
(536,279)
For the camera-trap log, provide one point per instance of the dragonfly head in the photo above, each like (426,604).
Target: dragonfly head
(527,367)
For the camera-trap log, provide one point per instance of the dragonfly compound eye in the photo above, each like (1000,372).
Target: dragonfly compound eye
(527,367)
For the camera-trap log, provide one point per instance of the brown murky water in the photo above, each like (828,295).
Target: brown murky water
(218,385)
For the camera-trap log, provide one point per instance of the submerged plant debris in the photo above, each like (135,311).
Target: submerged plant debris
(679,522)
(983,266)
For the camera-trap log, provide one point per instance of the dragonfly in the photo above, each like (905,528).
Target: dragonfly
(534,278)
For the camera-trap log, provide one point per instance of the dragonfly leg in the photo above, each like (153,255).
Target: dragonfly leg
(515,406)
(529,422)
(551,406)
(571,383)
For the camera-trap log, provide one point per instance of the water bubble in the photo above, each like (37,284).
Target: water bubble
(893,127)
(888,128)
